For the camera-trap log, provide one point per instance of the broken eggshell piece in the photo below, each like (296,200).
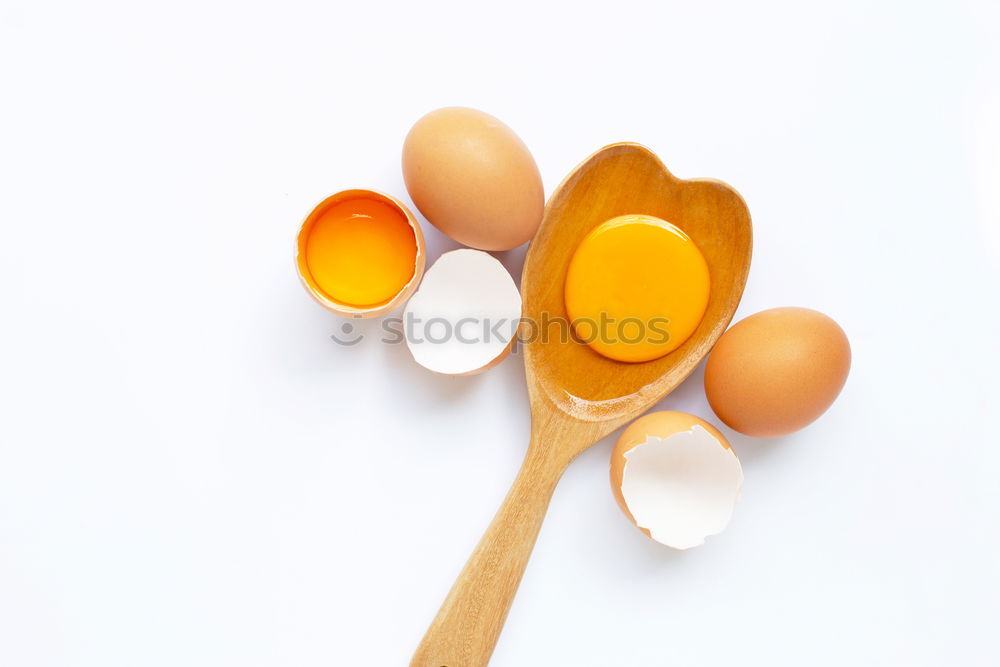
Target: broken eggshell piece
(676,477)
(464,318)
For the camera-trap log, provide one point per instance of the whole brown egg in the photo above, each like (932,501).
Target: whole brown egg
(777,371)
(473,178)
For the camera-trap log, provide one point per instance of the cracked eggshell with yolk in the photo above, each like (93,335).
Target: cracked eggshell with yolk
(676,478)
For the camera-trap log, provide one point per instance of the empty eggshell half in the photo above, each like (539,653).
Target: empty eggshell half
(676,477)
(464,318)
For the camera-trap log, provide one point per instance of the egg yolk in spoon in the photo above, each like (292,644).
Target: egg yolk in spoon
(637,287)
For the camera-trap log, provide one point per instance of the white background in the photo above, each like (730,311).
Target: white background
(192,473)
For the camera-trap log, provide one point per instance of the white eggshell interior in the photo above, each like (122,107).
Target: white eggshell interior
(681,488)
(464,315)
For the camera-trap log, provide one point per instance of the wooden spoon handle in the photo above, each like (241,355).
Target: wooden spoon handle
(468,624)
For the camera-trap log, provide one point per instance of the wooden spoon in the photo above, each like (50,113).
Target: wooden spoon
(577,396)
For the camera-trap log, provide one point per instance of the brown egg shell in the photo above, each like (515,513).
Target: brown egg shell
(660,424)
(777,371)
(485,283)
(473,178)
(493,364)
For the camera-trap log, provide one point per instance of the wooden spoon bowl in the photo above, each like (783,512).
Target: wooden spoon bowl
(577,396)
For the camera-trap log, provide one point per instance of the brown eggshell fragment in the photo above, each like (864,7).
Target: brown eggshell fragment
(675,477)
(464,318)
(777,371)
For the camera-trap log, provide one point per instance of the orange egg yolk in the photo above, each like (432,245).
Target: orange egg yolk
(361,252)
(636,289)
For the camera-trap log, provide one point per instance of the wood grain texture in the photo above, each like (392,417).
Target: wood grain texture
(576,395)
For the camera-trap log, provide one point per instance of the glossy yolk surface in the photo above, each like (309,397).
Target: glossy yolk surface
(361,252)
(636,289)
